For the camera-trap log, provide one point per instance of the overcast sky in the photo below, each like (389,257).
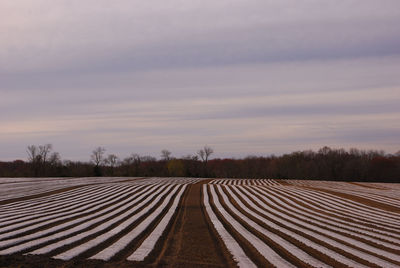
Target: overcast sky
(245,77)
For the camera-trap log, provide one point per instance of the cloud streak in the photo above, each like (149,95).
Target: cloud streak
(246,77)
(101,36)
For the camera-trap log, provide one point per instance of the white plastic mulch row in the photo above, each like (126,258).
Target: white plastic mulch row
(320,205)
(148,244)
(9,191)
(331,203)
(385,196)
(167,180)
(109,252)
(267,219)
(370,235)
(88,228)
(357,205)
(43,221)
(375,197)
(29,209)
(268,253)
(124,205)
(37,203)
(358,248)
(44,203)
(387,191)
(50,196)
(352,228)
(260,182)
(26,204)
(297,252)
(58,207)
(231,244)
(338,205)
(34,186)
(84,220)
(56,199)
(113,249)
(61,204)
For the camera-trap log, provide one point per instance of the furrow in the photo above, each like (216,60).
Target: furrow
(149,243)
(60,207)
(96,226)
(113,249)
(269,254)
(69,254)
(287,228)
(352,214)
(85,209)
(75,226)
(285,200)
(298,253)
(355,247)
(231,244)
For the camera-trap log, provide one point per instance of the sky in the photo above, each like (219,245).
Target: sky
(245,77)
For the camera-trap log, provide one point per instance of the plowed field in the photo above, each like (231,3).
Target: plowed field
(190,222)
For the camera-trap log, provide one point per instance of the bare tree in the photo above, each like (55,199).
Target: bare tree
(39,157)
(128,164)
(34,158)
(136,160)
(166,155)
(54,158)
(33,153)
(202,154)
(44,151)
(97,156)
(112,160)
(148,158)
(205,153)
(190,157)
(133,158)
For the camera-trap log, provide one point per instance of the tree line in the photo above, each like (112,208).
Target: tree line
(325,164)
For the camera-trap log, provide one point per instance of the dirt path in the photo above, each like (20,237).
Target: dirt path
(188,238)
(191,241)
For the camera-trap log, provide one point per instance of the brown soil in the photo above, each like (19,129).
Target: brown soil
(322,243)
(367,185)
(309,250)
(247,247)
(8,201)
(322,214)
(342,216)
(191,242)
(365,201)
(348,244)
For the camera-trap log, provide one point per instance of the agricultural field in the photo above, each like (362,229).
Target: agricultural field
(192,222)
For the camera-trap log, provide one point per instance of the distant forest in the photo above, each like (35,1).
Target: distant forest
(324,164)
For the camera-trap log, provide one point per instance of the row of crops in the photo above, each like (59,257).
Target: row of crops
(123,219)
(288,225)
(259,223)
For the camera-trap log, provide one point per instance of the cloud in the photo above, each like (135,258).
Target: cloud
(243,76)
(44,36)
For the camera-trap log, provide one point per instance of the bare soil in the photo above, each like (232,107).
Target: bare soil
(189,241)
